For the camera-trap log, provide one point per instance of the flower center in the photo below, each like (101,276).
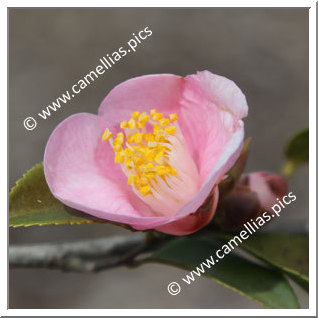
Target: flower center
(153,155)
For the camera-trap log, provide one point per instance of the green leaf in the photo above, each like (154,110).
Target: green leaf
(289,253)
(31,203)
(296,151)
(264,285)
(236,171)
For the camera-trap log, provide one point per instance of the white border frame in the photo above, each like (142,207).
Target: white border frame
(312,163)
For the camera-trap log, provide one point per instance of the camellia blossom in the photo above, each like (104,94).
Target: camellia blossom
(153,156)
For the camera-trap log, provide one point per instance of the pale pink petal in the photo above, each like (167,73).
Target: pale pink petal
(224,162)
(220,91)
(214,134)
(207,120)
(80,172)
(194,221)
(162,91)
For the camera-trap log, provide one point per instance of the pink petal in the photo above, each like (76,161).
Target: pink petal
(212,128)
(225,161)
(162,91)
(220,91)
(80,172)
(192,222)
(210,115)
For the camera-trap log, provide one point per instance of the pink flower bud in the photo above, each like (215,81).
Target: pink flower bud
(268,186)
(237,208)
(254,194)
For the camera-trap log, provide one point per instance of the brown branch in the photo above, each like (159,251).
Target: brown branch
(103,253)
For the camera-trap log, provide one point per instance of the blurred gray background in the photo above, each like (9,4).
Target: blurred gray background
(265,51)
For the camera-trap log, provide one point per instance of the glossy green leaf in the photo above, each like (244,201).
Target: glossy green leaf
(297,151)
(289,253)
(264,285)
(31,203)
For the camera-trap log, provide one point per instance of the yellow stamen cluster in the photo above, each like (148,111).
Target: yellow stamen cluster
(144,154)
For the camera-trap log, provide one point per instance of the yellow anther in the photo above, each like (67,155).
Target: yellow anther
(119,140)
(156,129)
(135,114)
(120,135)
(158,158)
(150,174)
(128,152)
(144,152)
(107,134)
(123,124)
(164,122)
(157,116)
(149,137)
(172,171)
(160,138)
(119,158)
(144,190)
(132,179)
(148,170)
(173,117)
(138,137)
(144,181)
(131,138)
(162,170)
(153,111)
(149,166)
(149,154)
(132,123)
(136,182)
(117,148)
(129,179)
(140,125)
(143,117)
(170,130)
(129,163)
(129,146)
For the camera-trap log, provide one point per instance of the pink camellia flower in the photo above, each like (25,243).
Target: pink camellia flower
(153,155)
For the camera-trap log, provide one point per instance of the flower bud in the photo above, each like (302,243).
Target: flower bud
(254,194)
(237,208)
(268,186)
